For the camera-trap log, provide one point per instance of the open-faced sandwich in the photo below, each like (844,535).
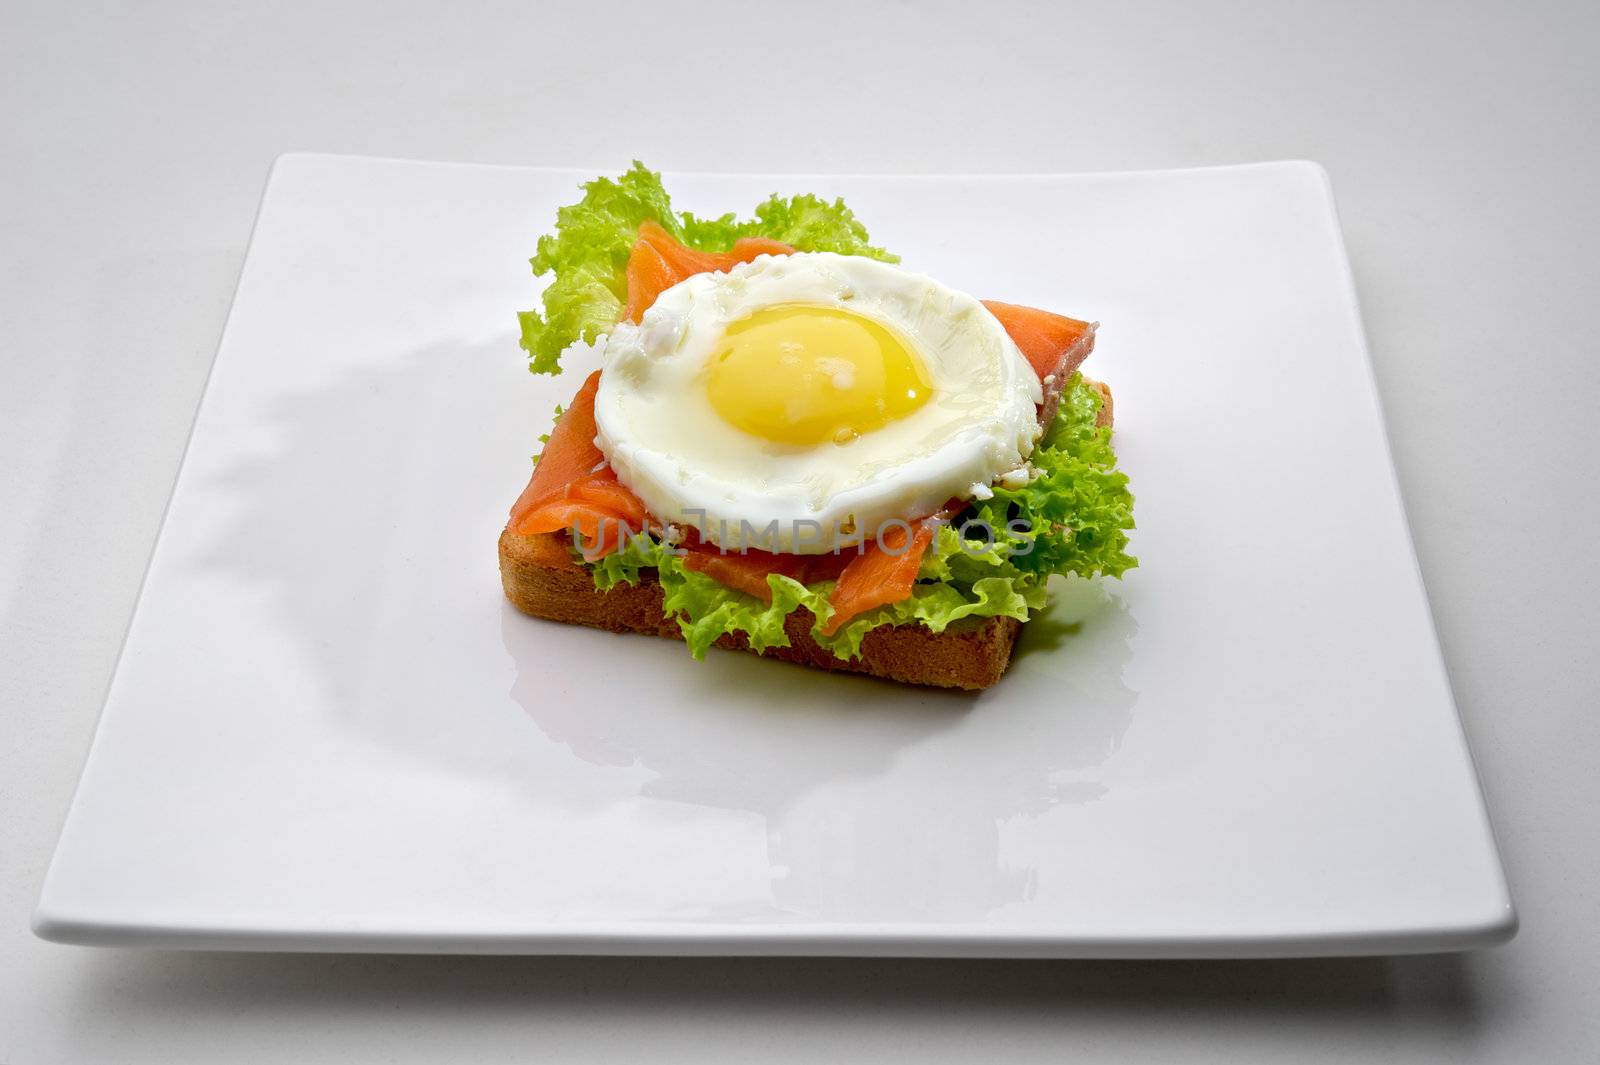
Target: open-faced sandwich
(796,448)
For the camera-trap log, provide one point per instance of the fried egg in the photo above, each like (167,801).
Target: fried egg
(801,402)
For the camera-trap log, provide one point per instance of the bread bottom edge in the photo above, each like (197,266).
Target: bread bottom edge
(541,580)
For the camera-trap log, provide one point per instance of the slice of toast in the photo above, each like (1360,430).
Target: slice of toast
(542,579)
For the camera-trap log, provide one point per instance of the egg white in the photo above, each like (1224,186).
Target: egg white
(660,433)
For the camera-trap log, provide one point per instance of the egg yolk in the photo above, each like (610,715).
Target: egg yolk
(803,374)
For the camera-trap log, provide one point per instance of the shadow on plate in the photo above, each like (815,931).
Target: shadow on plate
(342,523)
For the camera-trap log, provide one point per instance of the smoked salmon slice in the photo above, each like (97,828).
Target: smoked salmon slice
(568,455)
(601,530)
(573,488)
(602,489)
(746,572)
(884,572)
(1052,343)
(658,261)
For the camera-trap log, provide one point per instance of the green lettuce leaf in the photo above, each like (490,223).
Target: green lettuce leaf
(806,222)
(1077,512)
(1072,518)
(940,605)
(587,255)
(707,610)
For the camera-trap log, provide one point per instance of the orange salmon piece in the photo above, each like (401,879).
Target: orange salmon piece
(573,488)
(604,490)
(600,529)
(658,261)
(1052,343)
(883,573)
(746,572)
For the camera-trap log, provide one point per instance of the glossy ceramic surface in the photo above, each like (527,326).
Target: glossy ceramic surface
(328,731)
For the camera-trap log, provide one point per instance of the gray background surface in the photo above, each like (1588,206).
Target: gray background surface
(1462,145)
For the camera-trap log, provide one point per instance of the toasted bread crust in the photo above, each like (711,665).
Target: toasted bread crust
(541,579)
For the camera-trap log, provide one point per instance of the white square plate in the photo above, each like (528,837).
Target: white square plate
(328,731)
